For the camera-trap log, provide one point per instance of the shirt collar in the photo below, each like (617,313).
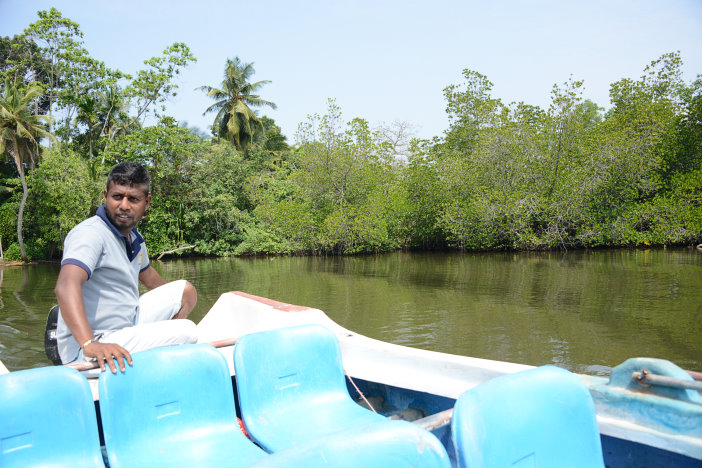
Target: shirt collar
(135,239)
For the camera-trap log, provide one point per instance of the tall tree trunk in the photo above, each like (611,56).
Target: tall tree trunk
(17,156)
(20,214)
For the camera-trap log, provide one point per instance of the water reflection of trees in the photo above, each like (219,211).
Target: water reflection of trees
(585,310)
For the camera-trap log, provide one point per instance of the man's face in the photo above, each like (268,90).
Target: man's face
(125,205)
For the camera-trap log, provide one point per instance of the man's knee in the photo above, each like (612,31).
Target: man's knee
(183,331)
(187,303)
(190,293)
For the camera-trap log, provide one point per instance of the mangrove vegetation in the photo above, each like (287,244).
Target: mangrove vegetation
(503,176)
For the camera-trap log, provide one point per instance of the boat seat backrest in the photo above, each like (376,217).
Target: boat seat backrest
(173,407)
(541,417)
(47,418)
(289,364)
(292,386)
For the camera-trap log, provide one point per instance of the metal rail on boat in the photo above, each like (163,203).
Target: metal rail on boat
(646,378)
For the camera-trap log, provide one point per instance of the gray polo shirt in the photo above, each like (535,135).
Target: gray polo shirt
(113,264)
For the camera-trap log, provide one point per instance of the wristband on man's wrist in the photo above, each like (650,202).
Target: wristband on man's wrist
(91,340)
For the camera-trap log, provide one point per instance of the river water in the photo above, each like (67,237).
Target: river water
(586,311)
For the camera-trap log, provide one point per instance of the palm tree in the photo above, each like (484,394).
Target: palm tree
(20,133)
(234,117)
(103,114)
(89,114)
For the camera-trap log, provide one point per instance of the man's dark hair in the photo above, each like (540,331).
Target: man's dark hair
(129,173)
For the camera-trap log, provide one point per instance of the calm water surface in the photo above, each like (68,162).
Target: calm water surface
(586,311)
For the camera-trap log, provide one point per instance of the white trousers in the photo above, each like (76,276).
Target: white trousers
(154,327)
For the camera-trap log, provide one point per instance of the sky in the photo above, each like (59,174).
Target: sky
(383,61)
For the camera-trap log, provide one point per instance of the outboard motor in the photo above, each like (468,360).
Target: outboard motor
(50,341)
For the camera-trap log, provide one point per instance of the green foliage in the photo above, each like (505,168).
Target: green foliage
(67,69)
(418,197)
(20,133)
(36,249)
(689,129)
(63,194)
(13,253)
(503,176)
(8,221)
(60,42)
(516,177)
(337,198)
(219,214)
(234,119)
(165,150)
(670,218)
(154,85)
(22,63)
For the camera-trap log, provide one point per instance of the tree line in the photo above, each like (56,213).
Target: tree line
(502,176)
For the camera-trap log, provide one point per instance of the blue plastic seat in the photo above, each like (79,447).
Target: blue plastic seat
(174,407)
(47,418)
(541,417)
(292,387)
(386,444)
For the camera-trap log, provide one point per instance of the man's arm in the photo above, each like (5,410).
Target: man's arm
(69,292)
(151,279)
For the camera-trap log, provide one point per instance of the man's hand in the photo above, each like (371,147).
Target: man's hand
(107,353)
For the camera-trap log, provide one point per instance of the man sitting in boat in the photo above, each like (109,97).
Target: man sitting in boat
(101,314)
